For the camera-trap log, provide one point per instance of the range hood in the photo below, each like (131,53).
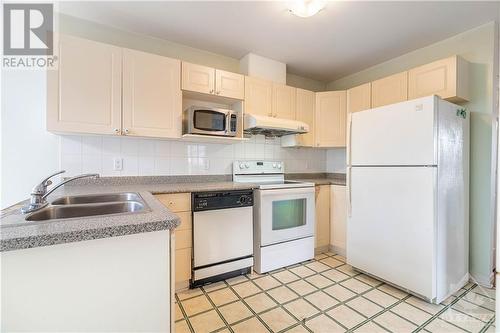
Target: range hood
(273,127)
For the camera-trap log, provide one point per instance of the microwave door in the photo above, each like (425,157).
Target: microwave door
(209,122)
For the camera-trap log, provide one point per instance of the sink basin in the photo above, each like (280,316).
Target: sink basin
(85,210)
(97,198)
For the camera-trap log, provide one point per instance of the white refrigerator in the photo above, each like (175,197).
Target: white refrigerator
(408,201)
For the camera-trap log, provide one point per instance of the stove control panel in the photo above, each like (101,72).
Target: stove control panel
(258,167)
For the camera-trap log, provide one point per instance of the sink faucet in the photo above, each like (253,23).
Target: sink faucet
(39,192)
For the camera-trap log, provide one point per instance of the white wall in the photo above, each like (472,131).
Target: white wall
(144,157)
(29,152)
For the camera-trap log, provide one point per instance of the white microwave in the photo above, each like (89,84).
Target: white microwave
(209,121)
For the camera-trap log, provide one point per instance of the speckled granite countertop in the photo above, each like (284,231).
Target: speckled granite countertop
(15,233)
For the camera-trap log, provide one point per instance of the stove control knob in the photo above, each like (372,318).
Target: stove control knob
(243,199)
(279,166)
(242,165)
(274,165)
(247,165)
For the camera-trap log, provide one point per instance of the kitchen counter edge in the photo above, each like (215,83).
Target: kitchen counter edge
(159,217)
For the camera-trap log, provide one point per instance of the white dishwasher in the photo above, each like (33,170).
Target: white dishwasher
(222,235)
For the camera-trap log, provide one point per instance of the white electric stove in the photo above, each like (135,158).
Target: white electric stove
(284,215)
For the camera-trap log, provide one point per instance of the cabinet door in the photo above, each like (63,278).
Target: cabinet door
(305,113)
(359,98)
(338,218)
(198,78)
(446,78)
(258,96)
(390,90)
(284,101)
(229,84)
(322,216)
(152,97)
(330,119)
(84,95)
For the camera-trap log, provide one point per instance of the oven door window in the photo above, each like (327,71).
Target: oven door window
(208,120)
(289,214)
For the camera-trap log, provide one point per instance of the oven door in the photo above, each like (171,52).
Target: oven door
(206,121)
(286,214)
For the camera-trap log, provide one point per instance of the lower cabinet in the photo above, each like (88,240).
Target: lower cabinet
(338,218)
(180,204)
(322,237)
(114,284)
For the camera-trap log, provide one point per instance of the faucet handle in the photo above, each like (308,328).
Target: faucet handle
(41,188)
(47,180)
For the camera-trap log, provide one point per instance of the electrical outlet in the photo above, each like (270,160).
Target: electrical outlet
(118,164)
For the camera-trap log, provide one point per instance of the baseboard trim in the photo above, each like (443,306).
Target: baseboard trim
(483,281)
(337,250)
(321,249)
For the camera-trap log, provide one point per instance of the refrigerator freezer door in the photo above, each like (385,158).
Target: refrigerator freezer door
(390,233)
(397,134)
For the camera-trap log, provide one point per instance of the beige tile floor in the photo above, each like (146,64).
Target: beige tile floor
(326,295)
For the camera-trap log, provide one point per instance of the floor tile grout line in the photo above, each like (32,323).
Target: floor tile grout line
(250,308)
(184,314)
(479,305)
(216,308)
(490,323)
(444,309)
(485,296)
(347,300)
(385,309)
(460,298)
(349,276)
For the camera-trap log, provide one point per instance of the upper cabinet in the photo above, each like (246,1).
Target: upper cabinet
(103,89)
(208,80)
(330,119)
(389,90)
(447,78)
(258,96)
(283,101)
(305,112)
(84,95)
(229,84)
(152,97)
(359,98)
(198,78)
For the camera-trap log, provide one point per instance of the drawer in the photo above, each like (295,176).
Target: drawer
(176,202)
(182,265)
(183,239)
(185,221)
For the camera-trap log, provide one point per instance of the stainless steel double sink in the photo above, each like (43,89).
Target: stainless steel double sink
(90,205)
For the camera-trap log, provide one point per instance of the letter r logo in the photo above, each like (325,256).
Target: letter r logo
(28,29)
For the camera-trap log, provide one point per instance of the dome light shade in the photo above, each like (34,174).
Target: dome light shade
(306,8)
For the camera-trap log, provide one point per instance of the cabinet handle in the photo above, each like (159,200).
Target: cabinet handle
(126,131)
(117,131)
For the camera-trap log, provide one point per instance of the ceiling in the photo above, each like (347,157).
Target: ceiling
(342,39)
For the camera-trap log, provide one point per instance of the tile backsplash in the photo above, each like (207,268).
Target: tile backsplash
(146,157)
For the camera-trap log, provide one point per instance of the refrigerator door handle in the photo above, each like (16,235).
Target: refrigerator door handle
(349,196)
(349,137)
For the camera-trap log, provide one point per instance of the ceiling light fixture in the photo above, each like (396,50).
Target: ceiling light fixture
(306,8)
